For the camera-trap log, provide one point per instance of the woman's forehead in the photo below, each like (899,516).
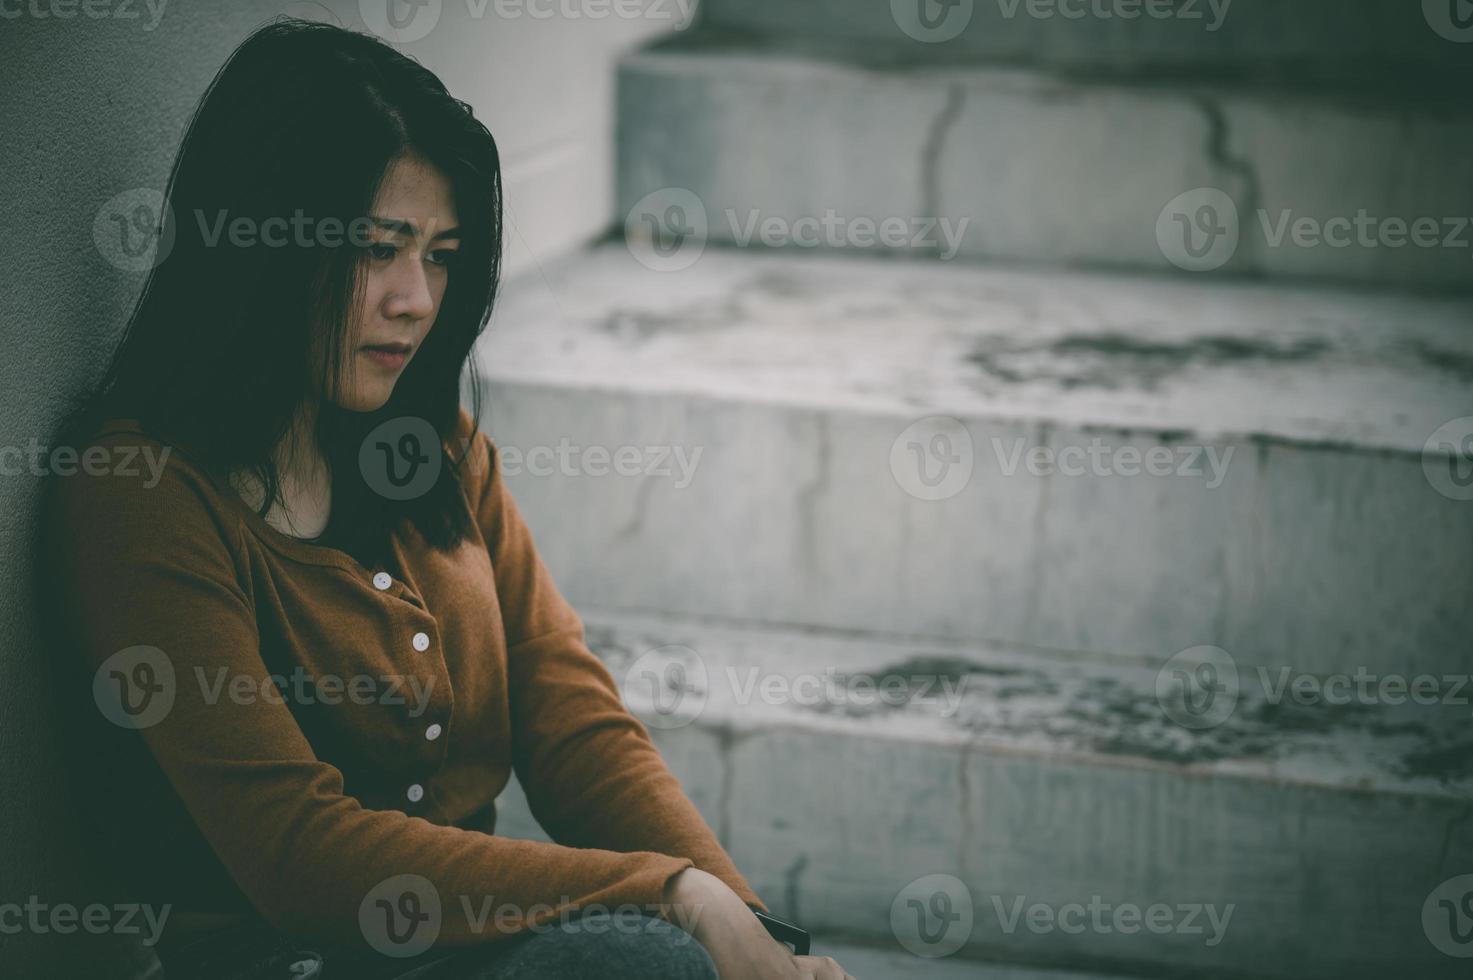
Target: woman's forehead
(417,193)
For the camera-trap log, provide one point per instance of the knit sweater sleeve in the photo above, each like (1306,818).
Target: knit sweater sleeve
(153,581)
(592,775)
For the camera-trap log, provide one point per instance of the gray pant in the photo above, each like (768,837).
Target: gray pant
(651,949)
(597,948)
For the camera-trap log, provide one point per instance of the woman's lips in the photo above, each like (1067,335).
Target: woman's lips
(389,355)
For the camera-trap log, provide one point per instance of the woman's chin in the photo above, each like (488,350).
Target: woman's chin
(366,401)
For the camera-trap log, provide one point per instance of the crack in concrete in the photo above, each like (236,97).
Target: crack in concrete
(726,740)
(1258,572)
(1220,153)
(964,789)
(935,144)
(641,507)
(1447,835)
(1037,546)
(790,886)
(808,496)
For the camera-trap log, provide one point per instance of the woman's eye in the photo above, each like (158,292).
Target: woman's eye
(385,251)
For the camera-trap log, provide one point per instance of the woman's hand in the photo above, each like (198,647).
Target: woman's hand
(819,968)
(739,945)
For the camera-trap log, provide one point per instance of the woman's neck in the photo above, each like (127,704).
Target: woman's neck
(297,457)
(304,493)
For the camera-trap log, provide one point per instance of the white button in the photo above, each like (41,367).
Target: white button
(416,793)
(382,581)
(421,641)
(433,732)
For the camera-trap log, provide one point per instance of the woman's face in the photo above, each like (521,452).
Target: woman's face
(414,236)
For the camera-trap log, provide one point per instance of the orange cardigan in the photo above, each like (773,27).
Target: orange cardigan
(431,682)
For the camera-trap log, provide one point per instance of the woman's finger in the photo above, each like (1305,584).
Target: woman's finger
(822,968)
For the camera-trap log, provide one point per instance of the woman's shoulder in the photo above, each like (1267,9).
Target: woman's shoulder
(119,470)
(124,447)
(467,439)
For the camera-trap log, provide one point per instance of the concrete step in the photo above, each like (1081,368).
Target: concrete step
(1383,42)
(870,963)
(1033,805)
(762,148)
(961,452)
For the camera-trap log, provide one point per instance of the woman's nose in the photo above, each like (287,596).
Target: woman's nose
(409,291)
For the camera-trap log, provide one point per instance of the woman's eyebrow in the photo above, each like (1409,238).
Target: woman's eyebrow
(408,227)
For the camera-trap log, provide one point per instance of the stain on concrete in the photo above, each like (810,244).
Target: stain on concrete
(1105,715)
(1127,721)
(929,683)
(777,284)
(954,668)
(1080,710)
(744,302)
(639,325)
(1459,364)
(1208,350)
(1449,760)
(605,642)
(1117,360)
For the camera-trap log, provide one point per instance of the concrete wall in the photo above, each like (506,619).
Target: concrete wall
(94,106)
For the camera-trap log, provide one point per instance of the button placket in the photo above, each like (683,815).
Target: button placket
(420,641)
(416,791)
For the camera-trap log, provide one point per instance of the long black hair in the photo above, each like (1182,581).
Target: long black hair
(219,353)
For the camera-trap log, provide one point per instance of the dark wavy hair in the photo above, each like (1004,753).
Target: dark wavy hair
(219,352)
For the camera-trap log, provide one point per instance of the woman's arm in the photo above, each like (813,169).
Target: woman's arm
(592,776)
(158,566)
(739,945)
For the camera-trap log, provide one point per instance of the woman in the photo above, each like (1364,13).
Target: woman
(314,632)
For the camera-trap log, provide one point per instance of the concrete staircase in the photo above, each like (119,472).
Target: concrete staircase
(1065,597)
